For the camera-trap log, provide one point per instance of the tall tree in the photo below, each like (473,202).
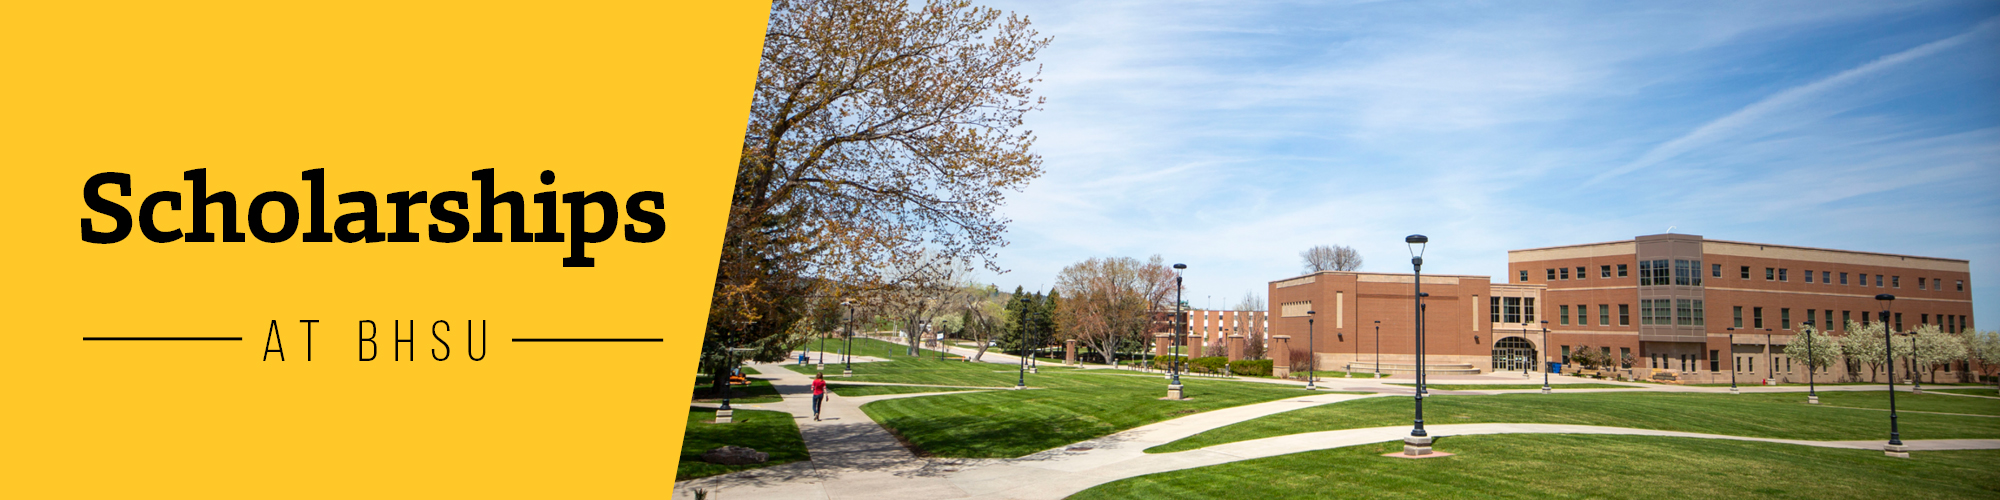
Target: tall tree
(1110,300)
(879,132)
(1330,258)
(1863,344)
(1813,348)
(1933,348)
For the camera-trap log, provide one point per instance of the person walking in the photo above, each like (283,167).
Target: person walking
(819,393)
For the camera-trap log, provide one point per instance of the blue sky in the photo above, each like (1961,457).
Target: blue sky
(1232,135)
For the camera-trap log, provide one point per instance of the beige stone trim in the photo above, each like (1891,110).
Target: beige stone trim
(1869,296)
(1297,281)
(1610,249)
(1739,249)
(1295,309)
(1404,278)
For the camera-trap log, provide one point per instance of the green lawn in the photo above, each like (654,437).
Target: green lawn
(1782,415)
(1505,387)
(877,390)
(907,370)
(1575,466)
(1989,391)
(1063,407)
(759,391)
(770,432)
(862,347)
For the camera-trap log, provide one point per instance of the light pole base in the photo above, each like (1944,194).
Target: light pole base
(724,416)
(1416,445)
(1034,370)
(1916,390)
(1733,390)
(847,373)
(1812,400)
(1896,450)
(1173,393)
(1545,389)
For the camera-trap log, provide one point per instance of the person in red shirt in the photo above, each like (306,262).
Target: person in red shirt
(819,393)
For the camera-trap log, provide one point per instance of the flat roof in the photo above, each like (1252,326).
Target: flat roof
(1705,240)
(1358,273)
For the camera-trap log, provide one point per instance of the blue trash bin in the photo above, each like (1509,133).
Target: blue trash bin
(1555,367)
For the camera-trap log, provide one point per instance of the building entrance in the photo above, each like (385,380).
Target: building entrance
(1513,354)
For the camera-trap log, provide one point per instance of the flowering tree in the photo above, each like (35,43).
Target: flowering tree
(1863,344)
(1814,348)
(1985,347)
(1934,348)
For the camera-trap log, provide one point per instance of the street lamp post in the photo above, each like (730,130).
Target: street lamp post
(1524,336)
(847,349)
(1180,334)
(1378,346)
(1812,386)
(1545,356)
(1312,360)
(1418,443)
(1895,447)
(1021,361)
(1770,361)
(1732,360)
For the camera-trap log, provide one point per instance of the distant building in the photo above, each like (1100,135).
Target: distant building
(1671,302)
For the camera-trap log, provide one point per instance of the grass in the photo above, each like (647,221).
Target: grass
(1988,391)
(865,347)
(1782,415)
(1065,405)
(1504,387)
(771,432)
(1578,466)
(759,391)
(850,391)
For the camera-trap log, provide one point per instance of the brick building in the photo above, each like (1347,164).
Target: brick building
(1672,302)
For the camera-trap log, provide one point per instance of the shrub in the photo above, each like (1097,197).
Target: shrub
(1211,364)
(1251,367)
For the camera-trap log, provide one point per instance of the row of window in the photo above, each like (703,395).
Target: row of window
(1949,322)
(1679,272)
(1826,277)
(1744,363)
(1690,312)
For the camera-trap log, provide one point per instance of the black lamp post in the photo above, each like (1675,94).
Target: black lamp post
(1021,362)
(1423,310)
(1180,334)
(1524,335)
(847,349)
(1770,360)
(1732,360)
(1910,365)
(1418,442)
(1812,386)
(1378,345)
(1312,360)
(1544,360)
(1895,447)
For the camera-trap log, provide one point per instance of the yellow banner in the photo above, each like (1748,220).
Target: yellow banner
(354,329)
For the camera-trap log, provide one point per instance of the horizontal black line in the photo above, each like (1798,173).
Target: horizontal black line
(163,338)
(587,340)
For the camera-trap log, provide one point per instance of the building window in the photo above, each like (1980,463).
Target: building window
(1603,315)
(1714,364)
(1785,318)
(1513,309)
(1829,325)
(1739,316)
(1645,273)
(1878,281)
(1565,314)
(1937,285)
(1810,313)
(1845,317)
(1625,357)
(1843,278)
(1715,270)
(1621,270)
(1565,355)
(1921,283)
(1746,272)
(1924,319)
(1527,309)
(1895,281)
(1495,309)
(1826,277)
(1961,286)
(1781,275)
(1565,273)
(1603,271)
(1579,272)
(1770,273)
(1899,320)
(1683,312)
(1524,275)
(1756,317)
(1645,312)
(1582,314)
(1552,274)
(1809,276)
(1698,320)
(1624,315)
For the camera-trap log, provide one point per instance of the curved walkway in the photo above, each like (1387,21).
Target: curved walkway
(853,457)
